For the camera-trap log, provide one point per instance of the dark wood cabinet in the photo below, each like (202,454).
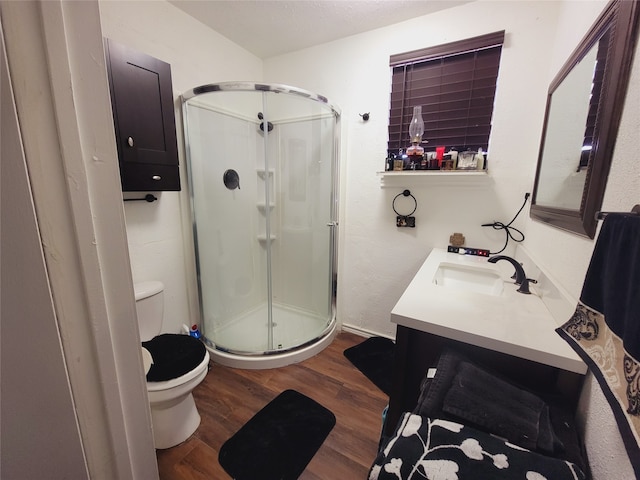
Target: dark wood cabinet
(418,351)
(144,119)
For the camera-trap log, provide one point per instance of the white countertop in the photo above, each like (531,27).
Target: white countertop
(512,323)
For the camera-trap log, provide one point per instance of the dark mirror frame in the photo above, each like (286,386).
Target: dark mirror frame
(622,17)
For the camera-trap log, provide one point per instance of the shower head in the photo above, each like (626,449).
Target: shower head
(269,124)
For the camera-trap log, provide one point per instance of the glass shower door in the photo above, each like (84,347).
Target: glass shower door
(223,145)
(300,152)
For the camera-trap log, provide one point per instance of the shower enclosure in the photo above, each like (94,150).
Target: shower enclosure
(263,167)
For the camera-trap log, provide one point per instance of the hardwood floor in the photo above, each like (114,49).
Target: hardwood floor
(228,398)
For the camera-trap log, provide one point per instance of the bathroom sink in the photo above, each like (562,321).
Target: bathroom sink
(468,279)
(467,299)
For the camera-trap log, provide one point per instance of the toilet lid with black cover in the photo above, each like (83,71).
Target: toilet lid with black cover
(173,355)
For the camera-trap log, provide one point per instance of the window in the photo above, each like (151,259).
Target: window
(455,84)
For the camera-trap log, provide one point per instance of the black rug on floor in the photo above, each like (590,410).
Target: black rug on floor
(374,358)
(279,441)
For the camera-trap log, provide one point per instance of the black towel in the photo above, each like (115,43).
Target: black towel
(488,402)
(465,392)
(434,390)
(605,327)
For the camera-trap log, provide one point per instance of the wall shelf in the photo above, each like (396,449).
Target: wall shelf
(435,177)
(263,238)
(262,173)
(266,183)
(262,206)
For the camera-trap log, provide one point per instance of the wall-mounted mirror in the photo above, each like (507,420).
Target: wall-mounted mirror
(584,106)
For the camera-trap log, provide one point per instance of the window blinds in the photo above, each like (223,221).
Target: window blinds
(455,84)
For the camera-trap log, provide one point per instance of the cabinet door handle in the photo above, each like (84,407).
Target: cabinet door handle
(130,141)
(156,178)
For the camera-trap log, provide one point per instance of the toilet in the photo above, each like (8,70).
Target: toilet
(174,365)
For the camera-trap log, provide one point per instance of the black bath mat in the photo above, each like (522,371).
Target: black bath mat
(279,441)
(374,358)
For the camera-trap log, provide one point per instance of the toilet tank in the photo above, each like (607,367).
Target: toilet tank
(150,308)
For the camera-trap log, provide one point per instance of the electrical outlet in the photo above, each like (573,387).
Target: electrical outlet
(405,221)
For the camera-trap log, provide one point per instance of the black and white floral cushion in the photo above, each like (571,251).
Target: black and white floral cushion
(437,449)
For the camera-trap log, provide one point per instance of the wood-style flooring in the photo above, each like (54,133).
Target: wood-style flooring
(228,398)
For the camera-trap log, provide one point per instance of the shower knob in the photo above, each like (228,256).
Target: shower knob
(231,179)
(130,141)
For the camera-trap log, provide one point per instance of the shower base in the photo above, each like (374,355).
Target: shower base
(297,335)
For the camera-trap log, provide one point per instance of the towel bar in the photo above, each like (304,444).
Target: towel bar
(147,198)
(635,210)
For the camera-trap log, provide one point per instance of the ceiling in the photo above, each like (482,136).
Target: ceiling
(268,28)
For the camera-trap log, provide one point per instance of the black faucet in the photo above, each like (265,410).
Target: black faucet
(520,276)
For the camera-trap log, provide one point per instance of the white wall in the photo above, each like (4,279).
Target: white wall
(378,259)
(159,234)
(31,422)
(569,258)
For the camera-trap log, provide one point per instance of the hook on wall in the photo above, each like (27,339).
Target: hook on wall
(365,116)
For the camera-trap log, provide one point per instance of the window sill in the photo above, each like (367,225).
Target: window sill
(434,177)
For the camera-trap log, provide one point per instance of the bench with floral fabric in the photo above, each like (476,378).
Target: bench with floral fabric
(472,424)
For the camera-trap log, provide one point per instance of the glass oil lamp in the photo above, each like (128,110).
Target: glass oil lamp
(416,128)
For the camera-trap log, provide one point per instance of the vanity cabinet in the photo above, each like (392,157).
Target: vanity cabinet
(417,351)
(144,119)
(448,305)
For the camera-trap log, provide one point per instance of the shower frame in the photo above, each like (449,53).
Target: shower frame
(273,358)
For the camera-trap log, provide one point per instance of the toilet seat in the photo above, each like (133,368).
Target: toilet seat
(173,357)
(147,360)
(176,382)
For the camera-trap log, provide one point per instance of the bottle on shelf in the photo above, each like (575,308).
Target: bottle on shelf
(480,159)
(398,162)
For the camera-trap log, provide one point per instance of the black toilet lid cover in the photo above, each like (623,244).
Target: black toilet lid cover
(173,356)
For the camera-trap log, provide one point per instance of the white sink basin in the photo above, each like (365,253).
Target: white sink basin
(468,279)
